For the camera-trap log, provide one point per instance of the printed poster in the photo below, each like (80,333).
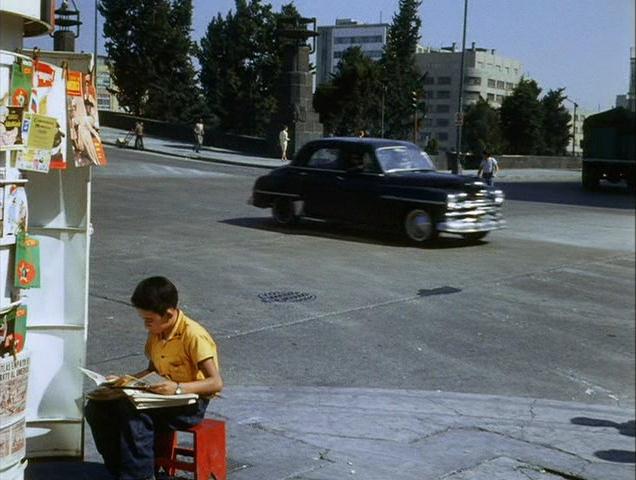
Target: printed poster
(48,100)
(87,144)
(12,444)
(21,84)
(27,262)
(14,379)
(11,128)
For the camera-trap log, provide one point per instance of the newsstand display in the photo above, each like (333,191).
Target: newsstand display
(48,143)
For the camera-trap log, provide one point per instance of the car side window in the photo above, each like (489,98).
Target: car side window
(358,161)
(325,159)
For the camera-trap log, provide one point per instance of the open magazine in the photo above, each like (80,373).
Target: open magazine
(136,390)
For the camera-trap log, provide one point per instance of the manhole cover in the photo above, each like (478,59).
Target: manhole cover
(283,297)
(438,291)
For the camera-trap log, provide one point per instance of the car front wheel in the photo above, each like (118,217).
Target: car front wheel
(474,236)
(419,226)
(284,211)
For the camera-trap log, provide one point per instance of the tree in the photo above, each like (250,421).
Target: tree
(481,129)
(149,48)
(241,62)
(556,123)
(400,75)
(351,101)
(522,119)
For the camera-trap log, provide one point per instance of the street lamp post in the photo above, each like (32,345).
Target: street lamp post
(95,42)
(460,106)
(382,111)
(573,124)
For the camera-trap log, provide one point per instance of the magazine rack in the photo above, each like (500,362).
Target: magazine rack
(59,217)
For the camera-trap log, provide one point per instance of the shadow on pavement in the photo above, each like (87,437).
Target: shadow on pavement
(65,470)
(349,233)
(625,428)
(570,193)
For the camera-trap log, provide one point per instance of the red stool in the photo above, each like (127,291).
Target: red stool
(208,451)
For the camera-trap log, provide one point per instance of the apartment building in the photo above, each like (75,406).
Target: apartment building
(486,74)
(106,100)
(334,40)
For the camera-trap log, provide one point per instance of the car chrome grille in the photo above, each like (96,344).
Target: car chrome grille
(475,206)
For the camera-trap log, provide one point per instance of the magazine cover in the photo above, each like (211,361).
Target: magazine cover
(87,144)
(12,330)
(11,128)
(48,100)
(15,210)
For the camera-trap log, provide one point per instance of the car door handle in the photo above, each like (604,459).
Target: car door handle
(340,177)
(303,174)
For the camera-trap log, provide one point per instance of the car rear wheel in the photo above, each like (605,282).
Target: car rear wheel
(419,226)
(284,211)
(474,236)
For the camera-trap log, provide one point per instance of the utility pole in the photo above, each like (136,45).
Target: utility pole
(460,106)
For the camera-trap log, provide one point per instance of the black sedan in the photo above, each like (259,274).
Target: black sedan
(388,183)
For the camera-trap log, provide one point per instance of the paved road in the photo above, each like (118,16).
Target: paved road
(454,361)
(543,309)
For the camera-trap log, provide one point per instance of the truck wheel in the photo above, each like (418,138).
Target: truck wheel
(284,212)
(419,226)
(590,179)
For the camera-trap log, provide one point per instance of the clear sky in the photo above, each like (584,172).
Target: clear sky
(582,45)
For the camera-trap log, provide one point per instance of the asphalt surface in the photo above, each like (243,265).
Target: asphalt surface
(509,358)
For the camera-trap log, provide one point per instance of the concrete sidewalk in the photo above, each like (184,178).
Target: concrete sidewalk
(308,433)
(178,149)
(218,155)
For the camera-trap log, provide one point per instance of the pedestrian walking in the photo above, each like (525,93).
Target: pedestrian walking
(177,348)
(488,168)
(199,132)
(283,139)
(139,135)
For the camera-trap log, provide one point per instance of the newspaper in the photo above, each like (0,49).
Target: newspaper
(136,390)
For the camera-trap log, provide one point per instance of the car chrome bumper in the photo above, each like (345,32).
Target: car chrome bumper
(462,226)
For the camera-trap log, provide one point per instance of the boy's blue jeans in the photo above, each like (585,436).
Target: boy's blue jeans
(125,436)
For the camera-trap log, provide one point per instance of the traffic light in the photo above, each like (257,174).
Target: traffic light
(414,99)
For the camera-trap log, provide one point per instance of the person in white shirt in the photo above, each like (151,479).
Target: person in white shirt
(199,131)
(283,139)
(488,168)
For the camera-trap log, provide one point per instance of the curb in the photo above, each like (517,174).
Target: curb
(204,159)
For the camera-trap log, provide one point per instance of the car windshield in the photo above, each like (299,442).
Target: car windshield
(403,158)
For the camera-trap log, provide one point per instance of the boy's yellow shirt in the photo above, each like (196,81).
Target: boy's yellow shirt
(186,345)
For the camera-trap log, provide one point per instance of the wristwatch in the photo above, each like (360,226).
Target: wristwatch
(178,390)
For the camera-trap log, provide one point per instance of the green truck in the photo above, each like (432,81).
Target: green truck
(609,148)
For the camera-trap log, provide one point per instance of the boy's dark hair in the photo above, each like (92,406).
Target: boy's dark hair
(155,294)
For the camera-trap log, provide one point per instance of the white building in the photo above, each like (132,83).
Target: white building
(576,129)
(334,40)
(106,99)
(486,75)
